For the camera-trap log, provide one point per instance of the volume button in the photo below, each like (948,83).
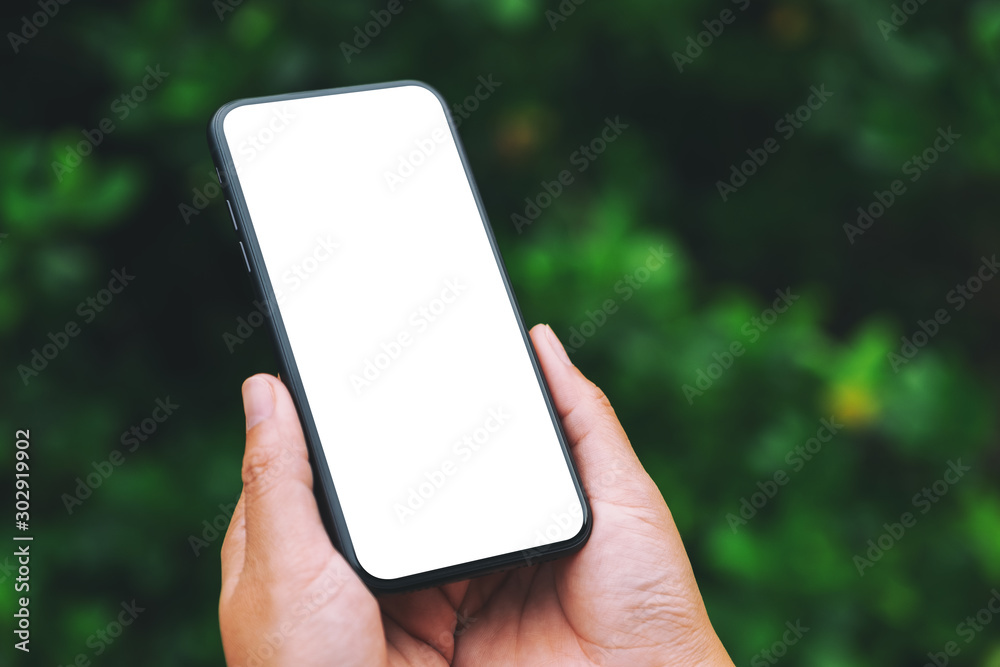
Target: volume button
(232,215)
(245,258)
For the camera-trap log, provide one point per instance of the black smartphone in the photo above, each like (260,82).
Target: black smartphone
(436,450)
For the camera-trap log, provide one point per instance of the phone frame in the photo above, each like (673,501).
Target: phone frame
(325,492)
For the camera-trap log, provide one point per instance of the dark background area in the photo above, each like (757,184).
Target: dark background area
(63,234)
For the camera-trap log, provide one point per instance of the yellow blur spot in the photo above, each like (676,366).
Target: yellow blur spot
(854,405)
(518,138)
(789,24)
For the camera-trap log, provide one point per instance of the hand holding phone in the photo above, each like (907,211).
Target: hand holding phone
(627,598)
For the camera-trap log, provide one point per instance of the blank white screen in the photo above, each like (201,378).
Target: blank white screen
(314,173)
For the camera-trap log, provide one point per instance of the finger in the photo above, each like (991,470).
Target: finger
(284,532)
(604,456)
(426,615)
(233,549)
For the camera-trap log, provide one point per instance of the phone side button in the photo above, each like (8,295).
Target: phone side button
(245,258)
(232,215)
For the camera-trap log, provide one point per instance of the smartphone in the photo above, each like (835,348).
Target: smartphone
(436,451)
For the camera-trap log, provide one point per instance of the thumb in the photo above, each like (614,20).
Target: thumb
(292,580)
(634,541)
(608,466)
(284,532)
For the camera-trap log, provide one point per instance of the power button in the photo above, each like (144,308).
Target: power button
(233,215)
(245,259)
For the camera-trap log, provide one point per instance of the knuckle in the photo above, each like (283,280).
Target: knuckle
(261,465)
(591,412)
(600,399)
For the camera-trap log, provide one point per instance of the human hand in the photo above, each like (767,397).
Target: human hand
(628,598)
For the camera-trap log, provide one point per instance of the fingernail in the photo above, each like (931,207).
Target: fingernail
(557,346)
(258,401)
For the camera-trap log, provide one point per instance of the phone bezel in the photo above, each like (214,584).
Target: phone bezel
(326,494)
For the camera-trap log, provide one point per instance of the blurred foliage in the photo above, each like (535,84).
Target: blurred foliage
(656,185)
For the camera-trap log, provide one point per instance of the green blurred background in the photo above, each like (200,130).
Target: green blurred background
(827,356)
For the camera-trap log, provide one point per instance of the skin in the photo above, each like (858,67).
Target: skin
(629,597)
